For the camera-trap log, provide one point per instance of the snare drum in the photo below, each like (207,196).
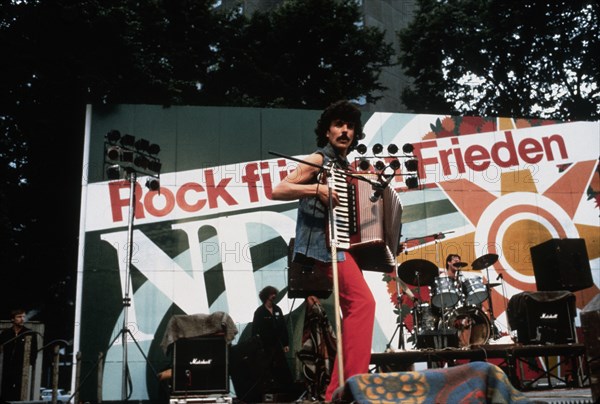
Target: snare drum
(425,318)
(474,290)
(444,292)
(426,325)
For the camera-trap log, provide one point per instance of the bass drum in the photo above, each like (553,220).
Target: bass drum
(472,324)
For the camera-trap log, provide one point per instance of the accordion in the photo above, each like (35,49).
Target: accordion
(366,224)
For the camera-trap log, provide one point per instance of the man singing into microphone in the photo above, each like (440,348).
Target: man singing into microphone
(338,131)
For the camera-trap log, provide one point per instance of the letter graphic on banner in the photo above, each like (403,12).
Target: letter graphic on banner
(162,271)
(233,249)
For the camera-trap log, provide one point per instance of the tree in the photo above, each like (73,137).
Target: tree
(495,58)
(60,55)
(303,54)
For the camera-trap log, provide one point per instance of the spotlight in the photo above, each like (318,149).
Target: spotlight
(154,166)
(141,161)
(412,182)
(379,165)
(142,144)
(113,136)
(127,140)
(394,164)
(153,184)
(113,172)
(392,149)
(124,155)
(377,148)
(113,153)
(364,164)
(127,156)
(154,148)
(408,148)
(411,165)
(361,148)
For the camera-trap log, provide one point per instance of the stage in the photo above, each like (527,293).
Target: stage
(559,365)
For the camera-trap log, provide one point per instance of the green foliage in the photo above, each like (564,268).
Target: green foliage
(60,55)
(495,58)
(303,54)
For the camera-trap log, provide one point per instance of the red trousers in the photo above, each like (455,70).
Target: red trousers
(358,319)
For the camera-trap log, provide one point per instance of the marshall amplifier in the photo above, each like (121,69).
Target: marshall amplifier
(543,317)
(590,322)
(200,366)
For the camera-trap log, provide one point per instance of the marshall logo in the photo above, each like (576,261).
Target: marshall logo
(546,316)
(199,362)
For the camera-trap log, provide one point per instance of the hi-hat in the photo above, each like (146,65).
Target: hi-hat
(460,264)
(484,261)
(418,272)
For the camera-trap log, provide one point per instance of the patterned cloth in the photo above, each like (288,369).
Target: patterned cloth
(475,382)
(197,325)
(318,349)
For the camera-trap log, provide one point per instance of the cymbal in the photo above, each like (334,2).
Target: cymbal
(418,272)
(484,261)
(460,264)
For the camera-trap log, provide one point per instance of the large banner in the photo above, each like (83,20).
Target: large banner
(211,237)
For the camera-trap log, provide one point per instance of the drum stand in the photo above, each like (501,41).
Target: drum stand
(444,329)
(416,318)
(400,322)
(443,325)
(495,332)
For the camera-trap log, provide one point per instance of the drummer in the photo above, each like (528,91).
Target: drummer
(453,266)
(452,269)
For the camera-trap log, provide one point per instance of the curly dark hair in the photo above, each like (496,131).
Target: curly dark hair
(267,291)
(449,258)
(347,112)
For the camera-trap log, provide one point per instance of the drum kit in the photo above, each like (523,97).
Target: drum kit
(454,316)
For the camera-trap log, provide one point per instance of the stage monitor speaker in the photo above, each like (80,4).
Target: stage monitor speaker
(543,317)
(561,264)
(304,280)
(200,365)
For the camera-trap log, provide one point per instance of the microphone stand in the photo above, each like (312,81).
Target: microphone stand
(401,290)
(331,169)
(336,286)
(495,331)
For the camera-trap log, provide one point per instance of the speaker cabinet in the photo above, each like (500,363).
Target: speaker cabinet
(249,369)
(590,322)
(200,365)
(561,264)
(304,280)
(542,317)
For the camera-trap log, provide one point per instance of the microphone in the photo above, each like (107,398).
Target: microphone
(499,277)
(379,188)
(376,194)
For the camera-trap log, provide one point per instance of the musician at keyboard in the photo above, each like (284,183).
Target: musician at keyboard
(338,131)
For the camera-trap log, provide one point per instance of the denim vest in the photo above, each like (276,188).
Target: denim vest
(312,220)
